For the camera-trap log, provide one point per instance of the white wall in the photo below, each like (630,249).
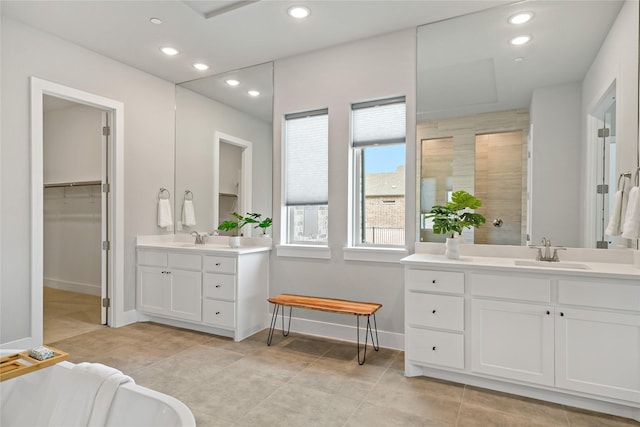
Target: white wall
(616,61)
(148,152)
(555,150)
(197,120)
(334,78)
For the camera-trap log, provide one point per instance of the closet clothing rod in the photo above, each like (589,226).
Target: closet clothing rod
(72,184)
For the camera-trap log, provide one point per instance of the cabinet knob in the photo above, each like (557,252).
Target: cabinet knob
(433,348)
(217,312)
(433,281)
(548,312)
(561,314)
(217,286)
(217,264)
(433,311)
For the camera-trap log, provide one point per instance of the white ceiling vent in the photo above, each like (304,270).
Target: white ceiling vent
(211,8)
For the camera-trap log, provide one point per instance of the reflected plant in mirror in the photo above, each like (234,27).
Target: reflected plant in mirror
(456,215)
(517,125)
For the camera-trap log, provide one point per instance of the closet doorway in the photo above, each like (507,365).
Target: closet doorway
(75,217)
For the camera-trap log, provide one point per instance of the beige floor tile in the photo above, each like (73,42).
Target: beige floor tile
(536,411)
(375,416)
(581,418)
(475,416)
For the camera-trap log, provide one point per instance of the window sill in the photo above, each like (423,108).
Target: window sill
(303,251)
(393,255)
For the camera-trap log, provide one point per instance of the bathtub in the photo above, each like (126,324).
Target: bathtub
(28,398)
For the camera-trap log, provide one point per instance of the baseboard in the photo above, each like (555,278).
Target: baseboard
(63,285)
(392,340)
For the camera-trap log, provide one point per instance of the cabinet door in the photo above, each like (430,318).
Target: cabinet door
(598,353)
(185,294)
(513,340)
(153,290)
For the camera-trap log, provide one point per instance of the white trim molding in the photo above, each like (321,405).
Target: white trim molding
(392,255)
(303,251)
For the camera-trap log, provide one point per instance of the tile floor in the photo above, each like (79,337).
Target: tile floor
(304,381)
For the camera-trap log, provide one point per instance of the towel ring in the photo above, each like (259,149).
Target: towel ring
(623,175)
(188,195)
(161,193)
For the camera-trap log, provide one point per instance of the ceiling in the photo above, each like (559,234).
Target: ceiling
(227,35)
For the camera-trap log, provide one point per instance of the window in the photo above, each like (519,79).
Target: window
(378,144)
(306,177)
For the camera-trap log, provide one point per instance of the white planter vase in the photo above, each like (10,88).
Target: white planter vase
(452,248)
(234,241)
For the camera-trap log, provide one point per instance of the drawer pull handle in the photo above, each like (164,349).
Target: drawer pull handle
(434,312)
(561,314)
(217,312)
(434,348)
(433,281)
(548,312)
(217,286)
(217,264)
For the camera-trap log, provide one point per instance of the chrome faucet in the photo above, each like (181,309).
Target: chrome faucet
(199,237)
(546,243)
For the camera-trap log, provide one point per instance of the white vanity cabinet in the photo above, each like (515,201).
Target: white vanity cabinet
(565,336)
(170,284)
(598,338)
(221,293)
(512,328)
(434,310)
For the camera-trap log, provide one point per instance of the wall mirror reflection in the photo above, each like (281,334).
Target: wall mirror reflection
(515,121)
(223,148)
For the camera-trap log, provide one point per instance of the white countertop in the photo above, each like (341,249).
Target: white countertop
(589,268)
(215,245)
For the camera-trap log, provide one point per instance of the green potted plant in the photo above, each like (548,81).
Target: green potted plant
(235,226)
(264,225)
(455,216)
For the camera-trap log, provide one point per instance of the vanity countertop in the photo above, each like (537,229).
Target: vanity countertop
(570,268)
(215,245)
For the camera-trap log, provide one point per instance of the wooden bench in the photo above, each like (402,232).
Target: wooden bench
(333,305)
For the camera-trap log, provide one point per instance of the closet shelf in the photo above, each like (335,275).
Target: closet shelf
(72,184)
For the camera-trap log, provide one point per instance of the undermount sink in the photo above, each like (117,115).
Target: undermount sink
(550,264)
(182,244)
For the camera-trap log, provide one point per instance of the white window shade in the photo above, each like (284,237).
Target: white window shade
(382,122)
(306,158)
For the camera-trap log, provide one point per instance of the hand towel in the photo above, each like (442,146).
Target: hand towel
(85,396)
(614,228)
(631,227)
(188,213)
(164,213)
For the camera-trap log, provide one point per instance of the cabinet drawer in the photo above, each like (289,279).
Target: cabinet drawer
(511,287)
(435,281)
(219,313)
(436,348)
(219,286)
(185,261)
(219,264)
(152,258)
(605,295)
(435,311)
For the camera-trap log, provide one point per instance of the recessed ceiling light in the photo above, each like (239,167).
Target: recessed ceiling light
(169,51)
(520,40)
(232,82)
(299,12)
(200,66)
(253,92)
(520,18)
(156,21)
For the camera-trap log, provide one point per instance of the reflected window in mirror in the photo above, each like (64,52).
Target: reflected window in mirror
(378,144)
(306,161)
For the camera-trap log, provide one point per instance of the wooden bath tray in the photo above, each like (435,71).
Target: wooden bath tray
(21,363)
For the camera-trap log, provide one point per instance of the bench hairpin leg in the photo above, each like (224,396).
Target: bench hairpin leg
(375,343)
(366,335)
(274,318)
(289,326)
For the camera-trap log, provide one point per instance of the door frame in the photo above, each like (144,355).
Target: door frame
(115,285)
(245,188)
